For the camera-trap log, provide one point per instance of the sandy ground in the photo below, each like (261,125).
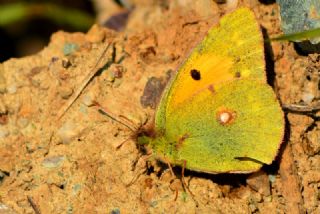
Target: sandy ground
(73,165)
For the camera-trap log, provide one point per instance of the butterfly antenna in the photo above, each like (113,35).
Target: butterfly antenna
(104,111)
(129,121)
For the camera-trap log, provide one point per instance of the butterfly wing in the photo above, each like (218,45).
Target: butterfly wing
(233,49)
(235,127)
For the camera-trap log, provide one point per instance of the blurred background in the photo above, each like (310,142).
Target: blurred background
(26,25)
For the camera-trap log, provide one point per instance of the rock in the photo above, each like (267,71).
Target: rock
(4,209)
(65,92)
(53,162)
(259,182)
(68,132)
(95,34)
(3,132)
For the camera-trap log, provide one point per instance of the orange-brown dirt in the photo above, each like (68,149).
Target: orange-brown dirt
(73,165)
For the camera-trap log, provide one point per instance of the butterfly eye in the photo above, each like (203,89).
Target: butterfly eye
(195,74)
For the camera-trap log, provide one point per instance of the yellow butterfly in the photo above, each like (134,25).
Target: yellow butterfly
(218,114)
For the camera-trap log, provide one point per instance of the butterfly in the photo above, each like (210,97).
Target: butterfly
(217,113)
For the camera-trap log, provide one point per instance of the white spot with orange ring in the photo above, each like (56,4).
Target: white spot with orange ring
(225,116)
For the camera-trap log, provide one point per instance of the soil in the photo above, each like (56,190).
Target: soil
(56,159)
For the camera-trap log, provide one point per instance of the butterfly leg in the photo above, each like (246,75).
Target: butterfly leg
(170,169)
(143,159)
(185,186)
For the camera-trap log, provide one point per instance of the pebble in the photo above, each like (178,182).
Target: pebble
(307,97)
(65,92)
(88,99)
(22,122)
(115,211)
(259,182)
(4,209)
(83,109)
(231,5)
(66,63)
(207,8)
(12,89)
(272,178)
(53,162)
(67,132)
(69,48)
(3,132)
(76,188)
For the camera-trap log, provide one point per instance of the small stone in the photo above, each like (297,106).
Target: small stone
(70,209)
(253,208)
(68,132)
(268,198)
(88,99)
(272,178)
(54,59)
(148,183)
(22,122)
(231,5)
(244,193)
(4,209)
(63,74)
(207,8)
(225,189)
(115,72)
(69,48)
(76,188)
(115,211)
(307,97)
(66,63)
(153,203)
(83,109)
(2,175)
(311,143)
(53,162)
(4,119)
(259,182)
(95,34)
(65,92)
(12,89)
(3,132)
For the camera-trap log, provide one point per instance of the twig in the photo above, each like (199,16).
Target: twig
(33,205)
(301,108)
(83,85)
